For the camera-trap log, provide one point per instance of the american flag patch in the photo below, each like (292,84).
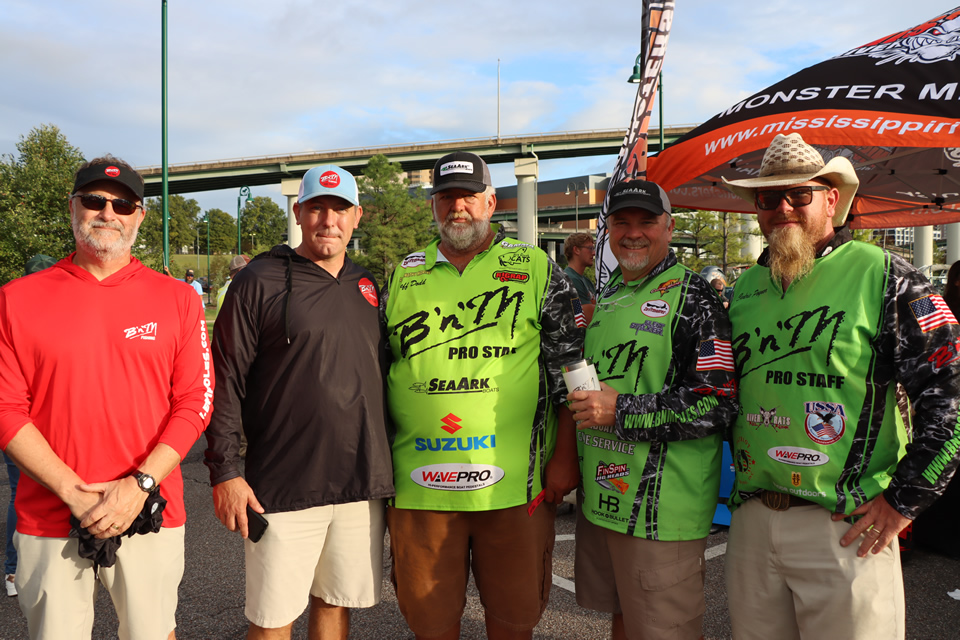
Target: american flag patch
(715,354)
(578,313)
(932,312)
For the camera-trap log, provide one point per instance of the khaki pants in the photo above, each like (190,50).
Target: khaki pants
(789,578)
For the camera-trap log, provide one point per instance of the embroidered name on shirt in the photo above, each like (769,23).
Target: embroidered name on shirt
(144,332)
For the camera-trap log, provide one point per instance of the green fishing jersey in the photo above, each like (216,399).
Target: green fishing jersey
(475,375)
(818,366)
(663,342)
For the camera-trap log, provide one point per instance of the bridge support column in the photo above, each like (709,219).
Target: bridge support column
(953,242)
(552,250)
(290,187)
(527,171)
(922,247)
(752,239)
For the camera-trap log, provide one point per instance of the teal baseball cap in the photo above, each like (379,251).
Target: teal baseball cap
(329,180)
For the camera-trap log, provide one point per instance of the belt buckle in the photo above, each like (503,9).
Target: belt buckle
(775,500)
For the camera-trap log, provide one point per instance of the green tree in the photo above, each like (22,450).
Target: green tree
(183,227)
(34,187)
(262,223)
(715,238)
(394,222)
(223,232)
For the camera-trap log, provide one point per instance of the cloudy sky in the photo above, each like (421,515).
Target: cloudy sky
(249,77)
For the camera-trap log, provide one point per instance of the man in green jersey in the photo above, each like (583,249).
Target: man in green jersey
(479,327)
(824,330)
(650,440)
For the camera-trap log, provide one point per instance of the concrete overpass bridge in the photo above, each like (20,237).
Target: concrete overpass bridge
(262,170)
(525,151)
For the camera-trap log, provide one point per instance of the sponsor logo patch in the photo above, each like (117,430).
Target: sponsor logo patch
(649,326)
(368,290)
(453,385)
(457,477)
(513,258)
(768,418)
(609,476)
(510,276)
(655,308)
(112,171)
(798,456)
(743,461)
(796,479)
(825,421)
(330,179)
(144,332)
(459,166)
(414,260)
(666,286)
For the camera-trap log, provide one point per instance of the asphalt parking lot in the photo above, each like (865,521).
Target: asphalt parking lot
(211,594)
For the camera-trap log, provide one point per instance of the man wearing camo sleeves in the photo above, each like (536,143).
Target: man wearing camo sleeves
(824,329)
(650,440)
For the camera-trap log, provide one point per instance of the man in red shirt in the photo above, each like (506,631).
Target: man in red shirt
(105,384)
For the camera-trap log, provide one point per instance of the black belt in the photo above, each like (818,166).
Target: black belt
(782,501)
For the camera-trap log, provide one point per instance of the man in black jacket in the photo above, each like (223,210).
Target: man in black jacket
(299,347)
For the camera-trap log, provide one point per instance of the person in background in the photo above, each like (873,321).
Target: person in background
(190,279)
(236,265)
(579,249)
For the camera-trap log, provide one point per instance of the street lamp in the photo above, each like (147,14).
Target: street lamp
(206,219)
(244,191)
(576,189)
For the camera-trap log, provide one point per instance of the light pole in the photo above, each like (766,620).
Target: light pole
(576,190)
(197,248)
(206,219)
(244,191)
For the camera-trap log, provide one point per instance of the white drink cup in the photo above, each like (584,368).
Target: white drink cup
(580,376)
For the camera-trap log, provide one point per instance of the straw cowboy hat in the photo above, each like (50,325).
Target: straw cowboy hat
(788,161)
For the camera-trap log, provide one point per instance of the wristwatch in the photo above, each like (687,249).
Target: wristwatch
(145,481)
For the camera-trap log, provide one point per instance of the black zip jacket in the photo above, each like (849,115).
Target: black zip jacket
(299,361)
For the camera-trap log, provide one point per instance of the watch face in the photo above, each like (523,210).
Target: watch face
(146,482)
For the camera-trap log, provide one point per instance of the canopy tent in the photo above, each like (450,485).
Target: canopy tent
(891,106)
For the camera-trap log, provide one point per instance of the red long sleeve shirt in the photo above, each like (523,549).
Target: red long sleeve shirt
(106,370)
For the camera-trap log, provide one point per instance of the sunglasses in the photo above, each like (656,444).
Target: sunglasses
(796,197)
(121,207)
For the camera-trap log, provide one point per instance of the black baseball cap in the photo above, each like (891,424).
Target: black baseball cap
(461,170)
(639,194)
(111,172)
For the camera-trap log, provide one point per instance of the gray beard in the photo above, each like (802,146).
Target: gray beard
(106,251)
(461,237)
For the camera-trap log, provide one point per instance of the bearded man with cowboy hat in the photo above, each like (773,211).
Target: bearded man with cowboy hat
(824,330)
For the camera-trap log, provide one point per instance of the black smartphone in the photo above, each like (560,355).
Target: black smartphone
(256,525)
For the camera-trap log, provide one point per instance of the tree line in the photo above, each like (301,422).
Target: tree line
(35,184)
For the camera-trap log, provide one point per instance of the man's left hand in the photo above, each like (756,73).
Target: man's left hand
(594,408)
(120,505)
(880,525)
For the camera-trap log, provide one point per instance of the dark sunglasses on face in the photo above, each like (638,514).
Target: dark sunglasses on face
(796,197)
(121,207)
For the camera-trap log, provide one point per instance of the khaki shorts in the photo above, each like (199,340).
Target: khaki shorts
(656,585)
(334,553)
(788,576)
(57,588)
(510,552)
